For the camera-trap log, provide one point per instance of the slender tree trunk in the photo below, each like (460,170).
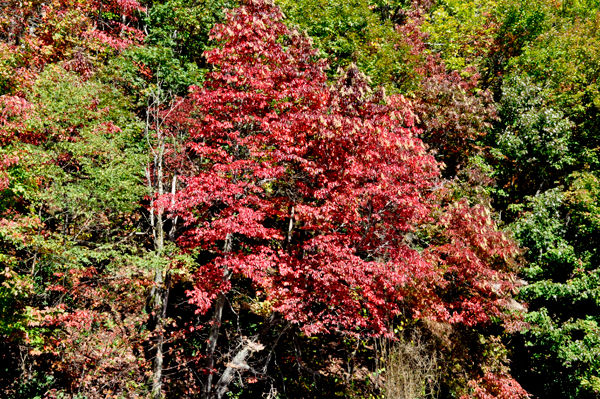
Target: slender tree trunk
(162,281)
(156,173)
(159,293)
(212,344)
(215,328)
(161,302)
(288,243)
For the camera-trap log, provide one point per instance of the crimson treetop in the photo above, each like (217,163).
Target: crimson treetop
(317,193)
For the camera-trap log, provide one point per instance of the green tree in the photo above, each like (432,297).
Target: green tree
(532,141)
(360,32)
(462,32)
(69,239)
(559,354)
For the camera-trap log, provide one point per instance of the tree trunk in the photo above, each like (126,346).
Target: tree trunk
(161,302)
(160,291)
(212,344)
(215,328)
(238,363)
(250,346)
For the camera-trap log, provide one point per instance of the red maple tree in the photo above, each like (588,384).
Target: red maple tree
(315,192)
(305,189)
(322,195)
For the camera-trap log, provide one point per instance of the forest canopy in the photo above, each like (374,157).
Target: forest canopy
(291,199)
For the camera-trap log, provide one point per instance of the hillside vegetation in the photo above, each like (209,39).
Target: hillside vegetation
(300,199)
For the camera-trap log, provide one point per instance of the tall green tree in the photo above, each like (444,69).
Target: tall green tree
(69,236)
(559,354)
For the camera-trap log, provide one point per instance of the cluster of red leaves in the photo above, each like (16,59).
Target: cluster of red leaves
(477,261)
(13,113)
(452,114)
(35,33)
(451,110)
(496,386)
(97,344)
(316,193)
(302,178)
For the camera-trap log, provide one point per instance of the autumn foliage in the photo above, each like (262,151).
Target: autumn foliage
(310,190)
(255,230)
(322,195)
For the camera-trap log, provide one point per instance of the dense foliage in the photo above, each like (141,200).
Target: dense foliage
(290,199)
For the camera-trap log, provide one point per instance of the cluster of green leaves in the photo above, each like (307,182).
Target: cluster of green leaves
(532,142)
(172,57)
(462,32)
(361,32)
(560,230)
